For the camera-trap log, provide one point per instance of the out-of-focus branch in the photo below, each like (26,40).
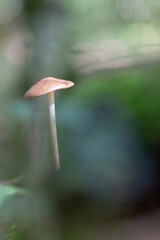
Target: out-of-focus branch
(113,55)
(12,181)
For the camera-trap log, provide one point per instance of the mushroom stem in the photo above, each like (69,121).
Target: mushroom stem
(53,129)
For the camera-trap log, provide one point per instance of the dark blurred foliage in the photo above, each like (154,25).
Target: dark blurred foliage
(108,123)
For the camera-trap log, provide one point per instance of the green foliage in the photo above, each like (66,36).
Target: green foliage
(15,232)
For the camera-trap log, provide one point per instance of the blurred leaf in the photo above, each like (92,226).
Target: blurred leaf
(8,191)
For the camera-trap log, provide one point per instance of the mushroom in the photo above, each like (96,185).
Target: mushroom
(48,86)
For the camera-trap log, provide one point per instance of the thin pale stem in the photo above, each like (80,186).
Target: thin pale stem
(53,129)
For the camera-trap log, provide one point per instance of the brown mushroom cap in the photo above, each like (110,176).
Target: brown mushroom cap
(47,85)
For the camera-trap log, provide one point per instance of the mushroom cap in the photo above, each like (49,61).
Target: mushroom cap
(47,85)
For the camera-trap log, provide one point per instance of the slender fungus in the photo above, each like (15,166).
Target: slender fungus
(48,86)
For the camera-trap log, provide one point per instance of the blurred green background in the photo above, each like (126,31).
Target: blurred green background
(108,124)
